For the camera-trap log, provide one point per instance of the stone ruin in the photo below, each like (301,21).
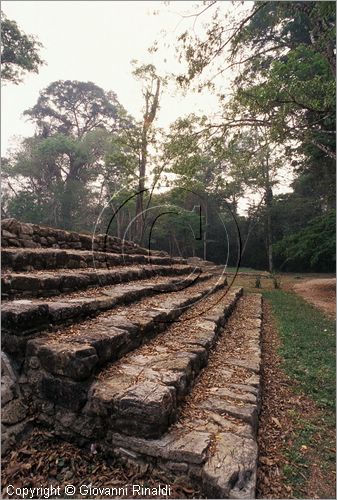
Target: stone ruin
(105,344)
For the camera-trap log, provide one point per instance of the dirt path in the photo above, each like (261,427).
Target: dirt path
(319,292)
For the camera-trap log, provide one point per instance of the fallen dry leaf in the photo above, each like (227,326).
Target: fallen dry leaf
(277,422)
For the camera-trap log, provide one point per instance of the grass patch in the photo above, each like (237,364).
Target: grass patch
(308,357)
(312,441)
(308,346)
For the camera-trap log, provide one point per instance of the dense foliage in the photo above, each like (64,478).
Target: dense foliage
(19,52)
(313,247)
(277,121)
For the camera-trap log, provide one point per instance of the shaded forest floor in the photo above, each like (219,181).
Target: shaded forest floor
(297,422)
(43,459)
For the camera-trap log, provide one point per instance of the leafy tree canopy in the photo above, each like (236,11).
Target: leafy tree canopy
(75,108)
(55,175)
(314,247)
(19,52)
(284,56)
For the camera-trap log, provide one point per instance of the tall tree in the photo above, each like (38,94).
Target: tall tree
(19,52)
(151,86)
(54,177)
(197,160)
(283,53)
(120,178)
(75,108)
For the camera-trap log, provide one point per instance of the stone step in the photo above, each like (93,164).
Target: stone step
(28,259)
(23,319)
(213,445)
(20,234)
(62,361)
(44,284)
(140,395)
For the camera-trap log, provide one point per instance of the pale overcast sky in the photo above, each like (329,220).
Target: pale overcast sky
(95,41)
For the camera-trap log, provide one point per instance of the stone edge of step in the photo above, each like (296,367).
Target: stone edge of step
(162,397)
(188,452)
(43,314)
(75,358)
(24,285)
(21,260)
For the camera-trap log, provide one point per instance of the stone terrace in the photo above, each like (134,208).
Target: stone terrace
(103,343)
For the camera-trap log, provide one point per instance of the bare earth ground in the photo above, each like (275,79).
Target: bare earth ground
(319,292)
(317,288)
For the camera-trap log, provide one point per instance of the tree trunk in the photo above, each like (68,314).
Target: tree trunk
(252,224)
(118,222)
(177,244)
(269,235)
(269,242)
(205,230)
(66,209)
(149,116)
(141,185)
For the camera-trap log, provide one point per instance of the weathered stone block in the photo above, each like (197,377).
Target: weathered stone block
(232,467)
(63,392)
(7,234)
(145,409)
(7,369)
(177,445)
(190,447)
(14,242)
(13,412)
(74,237)
(61,259)
(11,225)
(28,243)
(43,231)
(7,390)
(247,413)
(12,434)
(26,282)
(86,241)
(26,229)
(22,316)
(222,392)
(248,363)
(110,344)
(74,361)
(62,311)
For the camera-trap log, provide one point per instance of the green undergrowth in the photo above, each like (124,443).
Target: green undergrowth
(308,346)
(308,357)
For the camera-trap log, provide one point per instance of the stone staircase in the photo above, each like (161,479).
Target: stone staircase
(111,348)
